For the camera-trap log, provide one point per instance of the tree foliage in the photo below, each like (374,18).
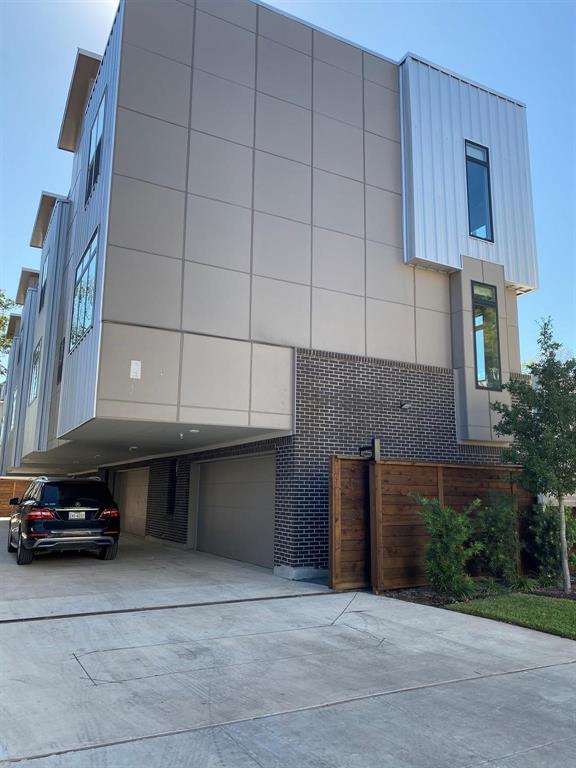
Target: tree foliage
(542,424)
(542,541)
(6,305)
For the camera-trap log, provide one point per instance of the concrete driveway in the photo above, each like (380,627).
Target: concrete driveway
(146,574)
(309,680)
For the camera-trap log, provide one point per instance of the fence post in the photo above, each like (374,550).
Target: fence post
(440,478)
(334,522)
(376,527)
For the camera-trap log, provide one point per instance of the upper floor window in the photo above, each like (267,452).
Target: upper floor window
(486,340)
(35,375)
(43,280)
(95,150)
(84,292)
(478,182)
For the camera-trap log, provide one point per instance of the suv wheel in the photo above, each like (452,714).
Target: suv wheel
(10,546)
(23,556)
(108,552)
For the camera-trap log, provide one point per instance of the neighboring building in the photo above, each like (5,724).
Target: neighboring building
(275,246)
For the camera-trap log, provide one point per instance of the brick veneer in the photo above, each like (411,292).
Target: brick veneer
(341,402)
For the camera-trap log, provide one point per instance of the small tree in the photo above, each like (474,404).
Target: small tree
(542,424)
(6,305)
(449,547)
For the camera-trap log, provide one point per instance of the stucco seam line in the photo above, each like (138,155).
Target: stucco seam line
(185,222)
(309,708)
(252,215)
(364,210)
(312,175)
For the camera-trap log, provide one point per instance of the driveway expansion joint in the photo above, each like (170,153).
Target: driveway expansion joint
(177,606)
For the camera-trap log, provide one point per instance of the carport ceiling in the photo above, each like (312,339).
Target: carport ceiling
(108,441)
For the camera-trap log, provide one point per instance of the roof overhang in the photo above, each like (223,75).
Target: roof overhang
(28,278)
(13,326)
(43,215)
(85,71)
(456,76)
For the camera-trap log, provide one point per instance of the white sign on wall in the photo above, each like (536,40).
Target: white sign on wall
(135,369)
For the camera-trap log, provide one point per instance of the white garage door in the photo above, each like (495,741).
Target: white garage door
(132,498)
(236,509)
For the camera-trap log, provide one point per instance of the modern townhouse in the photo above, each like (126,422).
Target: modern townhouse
(276,245)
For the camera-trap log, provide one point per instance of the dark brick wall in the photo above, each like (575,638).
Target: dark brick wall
(341,402)
(168,487)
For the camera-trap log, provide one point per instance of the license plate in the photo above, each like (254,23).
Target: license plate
(76,515)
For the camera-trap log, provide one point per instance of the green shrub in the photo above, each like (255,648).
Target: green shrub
(497,523)
(542,541)
(449,548)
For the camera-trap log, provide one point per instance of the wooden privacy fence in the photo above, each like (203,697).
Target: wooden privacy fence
(349,528)
(377,535)
(9,488)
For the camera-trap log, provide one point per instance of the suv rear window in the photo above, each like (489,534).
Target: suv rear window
(64,494)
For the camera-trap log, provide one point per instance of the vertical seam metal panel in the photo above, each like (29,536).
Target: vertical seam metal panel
(444,111)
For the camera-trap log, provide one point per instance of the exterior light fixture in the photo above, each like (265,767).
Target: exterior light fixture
(405,405)
(194,431)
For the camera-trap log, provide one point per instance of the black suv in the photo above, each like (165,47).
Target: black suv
(57,513)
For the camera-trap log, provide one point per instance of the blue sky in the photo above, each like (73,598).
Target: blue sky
(524,49)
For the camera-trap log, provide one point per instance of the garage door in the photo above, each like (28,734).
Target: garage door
(132,498)
(236,509)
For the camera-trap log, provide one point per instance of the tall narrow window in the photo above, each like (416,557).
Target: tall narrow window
(84,292)
(13,409)
(486,341)
(61,351)
(35,375)
(479,202)
(43,281)
(20,344)
(95,149)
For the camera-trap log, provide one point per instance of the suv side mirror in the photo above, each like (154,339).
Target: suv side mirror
(14,502)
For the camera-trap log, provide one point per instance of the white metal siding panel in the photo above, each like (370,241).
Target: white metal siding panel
(45,329)
(440,112)
(78,391)
(22,377)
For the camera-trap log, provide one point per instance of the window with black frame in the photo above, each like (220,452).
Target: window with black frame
(61,351)
(479,194)
(486,339)
(20,344)
(84,293)
(43,281)
(95,149)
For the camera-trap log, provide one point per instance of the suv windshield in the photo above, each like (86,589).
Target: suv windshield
(63,494)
